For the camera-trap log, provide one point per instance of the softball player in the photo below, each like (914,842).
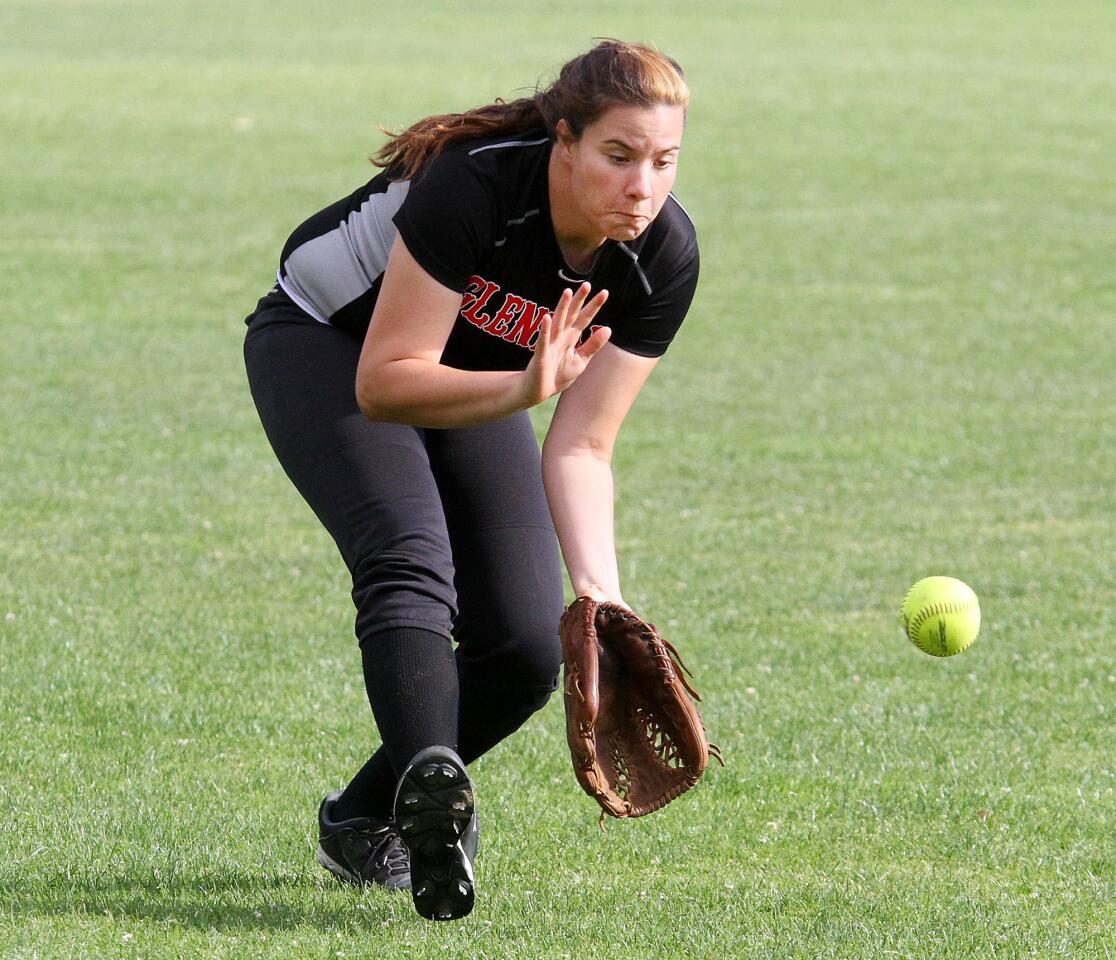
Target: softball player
(504,255)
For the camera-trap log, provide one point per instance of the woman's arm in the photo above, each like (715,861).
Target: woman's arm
(577,468)
(399,376)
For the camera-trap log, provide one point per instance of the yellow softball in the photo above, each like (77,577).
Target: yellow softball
(941,615)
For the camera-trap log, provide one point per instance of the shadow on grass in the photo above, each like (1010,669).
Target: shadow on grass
(237,902)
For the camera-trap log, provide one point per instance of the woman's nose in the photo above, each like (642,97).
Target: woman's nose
(639,185)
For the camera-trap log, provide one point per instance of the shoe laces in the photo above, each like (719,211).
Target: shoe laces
(386,852)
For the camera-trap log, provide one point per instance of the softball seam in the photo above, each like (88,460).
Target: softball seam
(934,610)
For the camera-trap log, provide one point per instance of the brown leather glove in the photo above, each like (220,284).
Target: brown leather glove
(636,738)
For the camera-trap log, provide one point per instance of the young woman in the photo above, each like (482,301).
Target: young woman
(504,255)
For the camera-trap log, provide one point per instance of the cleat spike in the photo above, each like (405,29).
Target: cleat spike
(434,805)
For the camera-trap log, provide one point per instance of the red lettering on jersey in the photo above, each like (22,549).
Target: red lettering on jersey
(526,329)
(472,291)
(473,313)
(501,323)
(517,321)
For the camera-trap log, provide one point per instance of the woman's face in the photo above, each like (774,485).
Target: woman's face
(623,167)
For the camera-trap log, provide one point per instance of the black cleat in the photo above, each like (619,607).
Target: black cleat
(363,851)
(435,816)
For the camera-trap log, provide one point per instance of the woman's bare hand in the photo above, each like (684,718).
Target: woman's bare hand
(559,358)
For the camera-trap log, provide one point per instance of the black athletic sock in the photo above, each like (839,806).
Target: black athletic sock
(411,679)
(371,792)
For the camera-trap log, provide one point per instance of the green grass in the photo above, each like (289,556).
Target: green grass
(900,362)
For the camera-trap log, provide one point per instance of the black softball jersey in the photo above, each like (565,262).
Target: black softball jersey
(477,219)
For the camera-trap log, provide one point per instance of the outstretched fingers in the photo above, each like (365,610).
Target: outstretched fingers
(592,346)
(565,313)
(575,311)
(559,355)
(591,309)
(562,315)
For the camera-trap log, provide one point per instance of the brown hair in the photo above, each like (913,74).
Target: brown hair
(611,73)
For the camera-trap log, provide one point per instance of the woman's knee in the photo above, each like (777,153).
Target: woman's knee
(523,658)
(506,703)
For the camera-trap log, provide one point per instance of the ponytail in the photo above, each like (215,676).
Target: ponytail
(408,152)
(612,73)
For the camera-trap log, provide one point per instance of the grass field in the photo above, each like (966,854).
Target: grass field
(901,361)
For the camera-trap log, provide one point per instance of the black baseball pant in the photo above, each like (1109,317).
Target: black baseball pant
(447,535)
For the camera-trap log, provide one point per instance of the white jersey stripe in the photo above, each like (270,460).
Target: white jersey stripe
(337,267)
(518,221)
(683,209)
(302,302)
(508,143)
(638,269)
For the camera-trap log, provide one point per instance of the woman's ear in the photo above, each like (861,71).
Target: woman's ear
(565,136)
